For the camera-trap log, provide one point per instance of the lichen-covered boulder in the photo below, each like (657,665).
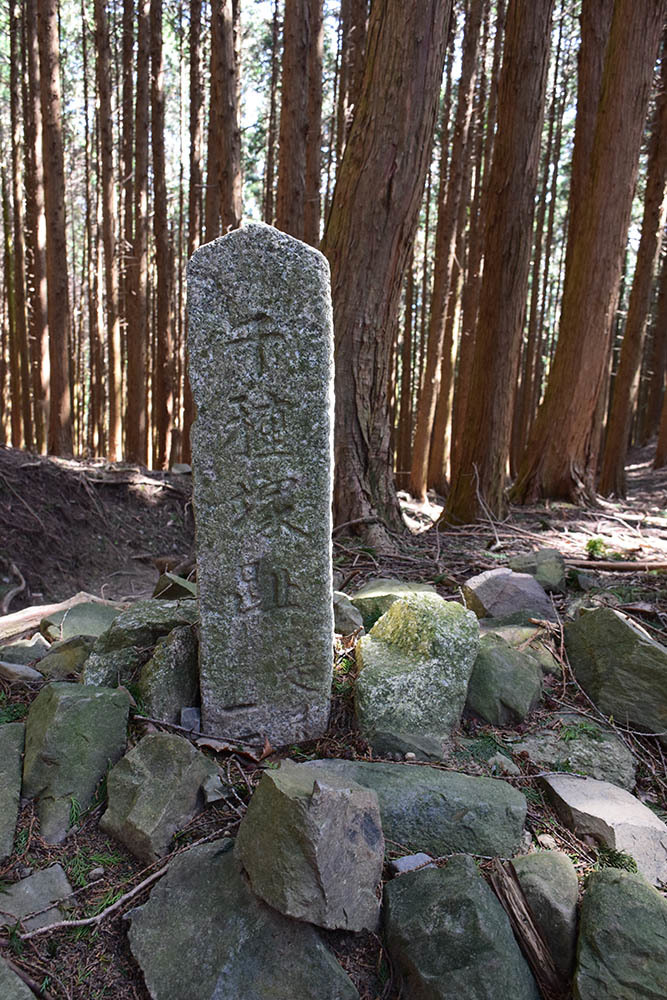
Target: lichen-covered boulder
(153,791)
(377,596)
(12,735)
(546,565)
(439,812)
(204,935)
(73,733)
(505,684)
(569,742)
(121,651)
(414,669)
(450,938)
(170,679)
(621,668)
(313,848)
(622,946)
(549,882)
(513,597)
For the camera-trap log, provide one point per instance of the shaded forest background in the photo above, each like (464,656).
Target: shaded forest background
(486,178)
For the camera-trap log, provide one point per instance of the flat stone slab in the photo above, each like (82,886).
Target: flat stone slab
(12,736)
(73,733)
(312,846)
(19,673)
(203,934)
(11,986)
(24,651)
(621,668)
(88,618)
(450,938)
(39,894)
(615,818)
(261,368)
(505,683)
(622,948)
(574,743)
(153,791)
(439,812)
(500,593)
(377,596)
(548,880)
(414,669)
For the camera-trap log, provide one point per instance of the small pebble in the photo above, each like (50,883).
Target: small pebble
(95,873)
(410,755)
(547,841)
(411,861)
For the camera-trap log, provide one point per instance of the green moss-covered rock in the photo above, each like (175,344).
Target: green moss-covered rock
(66,657)
(414,669)
(549,882)
(377,596)
(12,735)
(526,638)
(622,947)
(621,668)
(439,812)
(450,938)
(203,934)
(121,651)
(153,792)
(73,733)
(505,684)
(170,679)
(312,845)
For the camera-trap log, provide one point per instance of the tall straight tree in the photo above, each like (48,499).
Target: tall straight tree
(59,441)
(163,393)
(626,383)
(353,22)
(292,140)
(311,210)
(449,197)
(103,73)
(223,185)
(36,228)
(136,413)
(368,240)
(656,362)
(480,479)
(561,454)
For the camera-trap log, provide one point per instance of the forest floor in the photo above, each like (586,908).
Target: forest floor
(109,530)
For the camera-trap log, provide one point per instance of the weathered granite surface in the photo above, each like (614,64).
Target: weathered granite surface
(548,880)
(261,369)
(12,735)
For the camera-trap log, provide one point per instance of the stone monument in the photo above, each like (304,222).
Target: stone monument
(261,368)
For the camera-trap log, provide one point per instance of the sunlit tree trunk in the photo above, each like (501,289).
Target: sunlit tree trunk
(369,236)
(60,411)
(223,182)
(480,479)
(561,454)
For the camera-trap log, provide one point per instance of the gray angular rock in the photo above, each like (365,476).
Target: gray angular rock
(414,669)
(526,638)
(39,894)
(439,812)
(574,743)
(347,619)
(154,791)
(73,733)
(170,679)
(621,668)
(546,565)
(377,596)
(622,946)
(261,368)
(12,735)
(313,848)
(19,673)
(25,651)
(549,882)
(204,935)
(450,938)
(121,651)
(89,618)
(66,657)
(615,818)
(410,862)
(500,593)
(505,684)
(11,986)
